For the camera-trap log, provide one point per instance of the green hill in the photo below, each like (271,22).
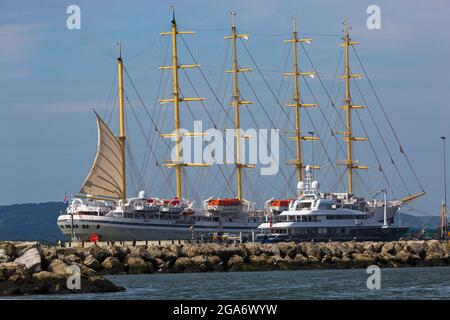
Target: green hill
(31,221)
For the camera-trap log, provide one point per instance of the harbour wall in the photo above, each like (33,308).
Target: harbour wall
(37,268)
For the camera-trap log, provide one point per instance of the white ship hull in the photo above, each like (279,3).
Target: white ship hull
(124,229)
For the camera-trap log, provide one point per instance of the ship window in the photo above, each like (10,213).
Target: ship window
(304,205)
(98,226)
(62,227)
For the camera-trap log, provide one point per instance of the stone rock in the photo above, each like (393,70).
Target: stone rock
(31,259)
(300,260)
(161,266)
(70,259)
(363,260)
(168,255)
(334,248)
(176,249)
(136,264)
(99,253)
(91,262)
(48,253)
(271,249)
(407,257)
(4,257)
(245,253)
(200,263)
(313,260)
(100,284)
(253,248)
(214,263)
(113,265)
(49,282)
(66,251)
(434,247)
(59,267)
(260,263)
(291,253)
(82,253)
(119,252)
(225,252)
(8,269)
(388,247)
(235,263)
(191,250)
(20,276)
(416,247)
(10,250)
(326,259)
(335,260)
(154,251)
(311,250)
(22,247)
(384,257)
(86,271)
(398,247)
(284,247)
(184,264)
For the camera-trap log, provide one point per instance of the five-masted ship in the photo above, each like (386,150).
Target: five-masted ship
(103,211)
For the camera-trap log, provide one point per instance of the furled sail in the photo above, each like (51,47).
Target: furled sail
(105,177)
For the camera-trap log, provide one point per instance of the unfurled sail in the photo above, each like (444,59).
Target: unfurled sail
(105,176)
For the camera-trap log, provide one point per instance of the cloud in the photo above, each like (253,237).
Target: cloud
(17,41)
(70,106)
(17,45)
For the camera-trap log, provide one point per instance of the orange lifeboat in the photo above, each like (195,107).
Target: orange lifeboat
(224,205)
(224,202)
(278,205)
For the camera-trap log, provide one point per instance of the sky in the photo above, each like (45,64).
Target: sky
(52,77)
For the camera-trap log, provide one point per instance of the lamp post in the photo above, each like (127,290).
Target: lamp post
(312,149)
(444,203)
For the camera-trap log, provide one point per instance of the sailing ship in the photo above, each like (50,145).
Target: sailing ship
(103,211)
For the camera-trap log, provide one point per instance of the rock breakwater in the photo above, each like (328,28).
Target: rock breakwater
(34,268)
(31,268)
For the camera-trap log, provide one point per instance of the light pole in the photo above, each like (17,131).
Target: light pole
(444,203)
(312,150)
(385,225)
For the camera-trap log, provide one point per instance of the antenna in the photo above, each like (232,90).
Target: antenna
(173,13)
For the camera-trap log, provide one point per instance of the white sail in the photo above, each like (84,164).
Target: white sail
(105,177)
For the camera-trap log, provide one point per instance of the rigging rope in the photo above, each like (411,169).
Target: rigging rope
(388,121)
(382,139)
(146,140)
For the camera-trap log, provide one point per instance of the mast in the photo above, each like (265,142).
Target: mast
(236,103)
(350,163)
(122,124)
(444,202)
(298,163)
(176,136)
